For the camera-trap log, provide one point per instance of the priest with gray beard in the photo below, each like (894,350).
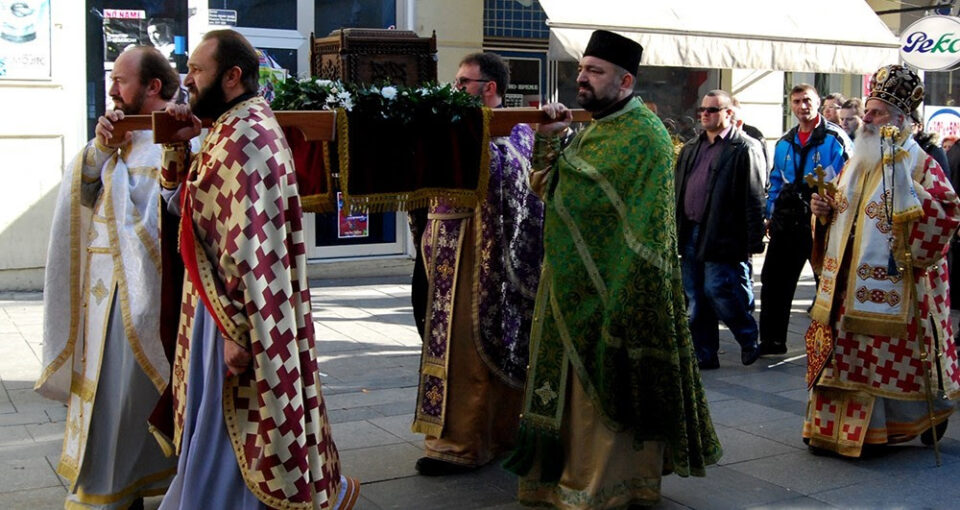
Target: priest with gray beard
(882,298)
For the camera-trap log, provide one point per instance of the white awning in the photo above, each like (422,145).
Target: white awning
(826,36)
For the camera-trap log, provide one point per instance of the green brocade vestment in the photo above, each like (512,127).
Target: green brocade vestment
(610,301)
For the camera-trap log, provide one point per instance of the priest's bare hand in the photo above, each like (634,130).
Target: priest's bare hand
(235,357)
(104,129)
(192,124)
(560,114)
(821,206)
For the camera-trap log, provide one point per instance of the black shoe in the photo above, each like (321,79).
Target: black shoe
(709,364)
(772,348)
(136,505)
(927,437)
(427,466)
(748,356)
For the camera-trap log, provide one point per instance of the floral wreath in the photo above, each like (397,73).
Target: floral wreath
(390,102)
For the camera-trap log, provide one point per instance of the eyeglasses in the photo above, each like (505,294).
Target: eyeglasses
(709,109)
(459,82)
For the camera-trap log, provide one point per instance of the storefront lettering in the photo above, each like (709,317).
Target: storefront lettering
(920,42)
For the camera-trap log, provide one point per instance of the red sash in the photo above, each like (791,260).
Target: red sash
(188,249)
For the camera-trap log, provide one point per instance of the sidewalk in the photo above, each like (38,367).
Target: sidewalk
(369,356)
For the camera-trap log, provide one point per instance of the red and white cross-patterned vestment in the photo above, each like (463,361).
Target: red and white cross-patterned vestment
(863,346)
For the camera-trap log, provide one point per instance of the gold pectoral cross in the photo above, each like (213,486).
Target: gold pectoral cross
(823,186)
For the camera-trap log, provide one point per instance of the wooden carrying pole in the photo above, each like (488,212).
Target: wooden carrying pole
(321,125)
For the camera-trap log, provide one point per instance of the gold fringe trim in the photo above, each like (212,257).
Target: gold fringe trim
(386,202)
(430,429)
(319,203)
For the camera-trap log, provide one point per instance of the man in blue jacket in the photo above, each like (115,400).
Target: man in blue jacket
(813,142)
(719,193)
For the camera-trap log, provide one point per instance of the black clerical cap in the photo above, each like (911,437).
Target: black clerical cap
(616,49)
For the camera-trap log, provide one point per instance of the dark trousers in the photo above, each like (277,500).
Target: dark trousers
(786,255)
(717,291)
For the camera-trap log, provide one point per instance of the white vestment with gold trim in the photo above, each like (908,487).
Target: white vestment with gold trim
(102,353)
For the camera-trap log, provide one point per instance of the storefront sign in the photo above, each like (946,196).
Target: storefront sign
(223,17)
(932,43)
(524,88)
(943,120)
(25,40)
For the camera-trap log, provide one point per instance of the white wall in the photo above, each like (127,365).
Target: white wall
(761,100)
(459,27)
(43,126)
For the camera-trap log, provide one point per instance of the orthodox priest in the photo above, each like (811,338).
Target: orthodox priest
(613,396)
(882,365)
(102,353)
(482,266)
(250,422)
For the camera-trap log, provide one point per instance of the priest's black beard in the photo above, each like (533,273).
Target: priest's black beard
(591,102)
(210,102)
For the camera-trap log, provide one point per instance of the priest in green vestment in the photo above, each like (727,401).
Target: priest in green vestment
(613,396)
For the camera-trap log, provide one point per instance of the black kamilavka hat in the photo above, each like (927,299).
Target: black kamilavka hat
(616,49)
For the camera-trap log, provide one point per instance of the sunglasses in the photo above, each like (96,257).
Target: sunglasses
(709,109)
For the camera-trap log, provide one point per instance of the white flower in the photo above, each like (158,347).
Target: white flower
(323,83)
(334,90)
(343,96)
(331,99)
(423,91)
(348,104)
(374,89)
(388,92)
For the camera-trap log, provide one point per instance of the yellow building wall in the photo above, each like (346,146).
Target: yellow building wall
(459,28)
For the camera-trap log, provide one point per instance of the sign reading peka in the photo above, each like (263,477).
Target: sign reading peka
(932,43)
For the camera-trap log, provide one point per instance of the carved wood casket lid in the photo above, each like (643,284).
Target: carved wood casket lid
(369,55)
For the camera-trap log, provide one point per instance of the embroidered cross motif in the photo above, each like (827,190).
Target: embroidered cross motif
(546,393)
(99,291)
(435,396)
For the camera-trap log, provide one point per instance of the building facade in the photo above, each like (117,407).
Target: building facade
(53,66)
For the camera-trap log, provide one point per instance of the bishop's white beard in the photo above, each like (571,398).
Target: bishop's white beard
(866,150)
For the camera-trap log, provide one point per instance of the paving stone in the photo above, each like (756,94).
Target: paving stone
(57,414)
(353,414)
(28,417)
(399,426)
(786,431)
(740,446)
(478,489)
(24,384)
(379,463)
(14,435)
(361,434)
(723,488)
(891,493)
(805,473)
(737,412)
(397,408)
(370,398)
(50,497)
(773,380)
(800,503)
(26,473)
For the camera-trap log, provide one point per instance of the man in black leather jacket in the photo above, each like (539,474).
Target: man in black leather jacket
(720,202)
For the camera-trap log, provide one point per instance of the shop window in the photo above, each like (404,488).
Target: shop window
(518,19)
(331,15)
(280,14)
(673,93)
